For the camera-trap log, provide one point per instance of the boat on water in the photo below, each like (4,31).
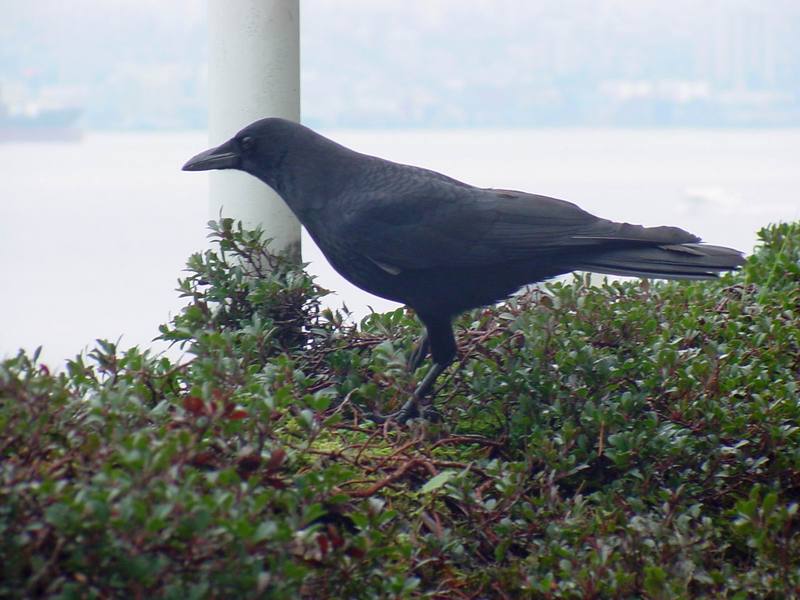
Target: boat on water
(45,124)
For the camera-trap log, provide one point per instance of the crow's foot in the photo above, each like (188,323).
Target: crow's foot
(413,409)
(409,410)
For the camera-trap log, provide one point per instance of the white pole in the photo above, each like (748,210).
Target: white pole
(253,72)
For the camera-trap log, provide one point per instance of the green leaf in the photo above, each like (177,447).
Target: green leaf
(438,481)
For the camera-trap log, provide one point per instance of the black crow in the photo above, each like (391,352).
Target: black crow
(439,245)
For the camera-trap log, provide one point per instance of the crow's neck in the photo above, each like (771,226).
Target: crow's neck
(312,172)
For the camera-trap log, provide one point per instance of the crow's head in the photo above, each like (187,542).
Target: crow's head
(257,149)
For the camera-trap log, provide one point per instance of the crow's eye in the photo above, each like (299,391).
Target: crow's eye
(247,143)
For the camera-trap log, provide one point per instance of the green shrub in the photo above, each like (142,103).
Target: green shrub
(622,441)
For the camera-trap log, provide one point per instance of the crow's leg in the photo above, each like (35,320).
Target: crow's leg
(419,353)
(439,337)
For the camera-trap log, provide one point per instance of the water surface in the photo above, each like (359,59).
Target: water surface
(93,235)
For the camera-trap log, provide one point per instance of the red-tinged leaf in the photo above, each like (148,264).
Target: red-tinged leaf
(336,540)
(275,459)
(278,484)
(324,545)
(237,415)
(219,395)
(355,552)
(203,460)
(44,370)
(249,463)
(194,405)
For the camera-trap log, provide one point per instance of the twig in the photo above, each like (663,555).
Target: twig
(393,455)
(474,439)
(373,489)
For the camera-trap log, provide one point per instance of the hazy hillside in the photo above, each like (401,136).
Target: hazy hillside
(439,63)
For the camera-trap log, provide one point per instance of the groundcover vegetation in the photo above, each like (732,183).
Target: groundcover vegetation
(621,441)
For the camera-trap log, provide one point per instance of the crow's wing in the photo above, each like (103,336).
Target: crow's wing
(441,223)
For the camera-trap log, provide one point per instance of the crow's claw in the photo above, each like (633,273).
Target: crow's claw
(409,410)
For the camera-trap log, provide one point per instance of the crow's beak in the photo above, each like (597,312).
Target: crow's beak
(224,156)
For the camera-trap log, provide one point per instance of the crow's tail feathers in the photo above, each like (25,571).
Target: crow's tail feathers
(671,261)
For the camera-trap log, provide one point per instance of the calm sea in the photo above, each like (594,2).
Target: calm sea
(93,235)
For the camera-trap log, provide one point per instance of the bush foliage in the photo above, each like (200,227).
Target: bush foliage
(626,440)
